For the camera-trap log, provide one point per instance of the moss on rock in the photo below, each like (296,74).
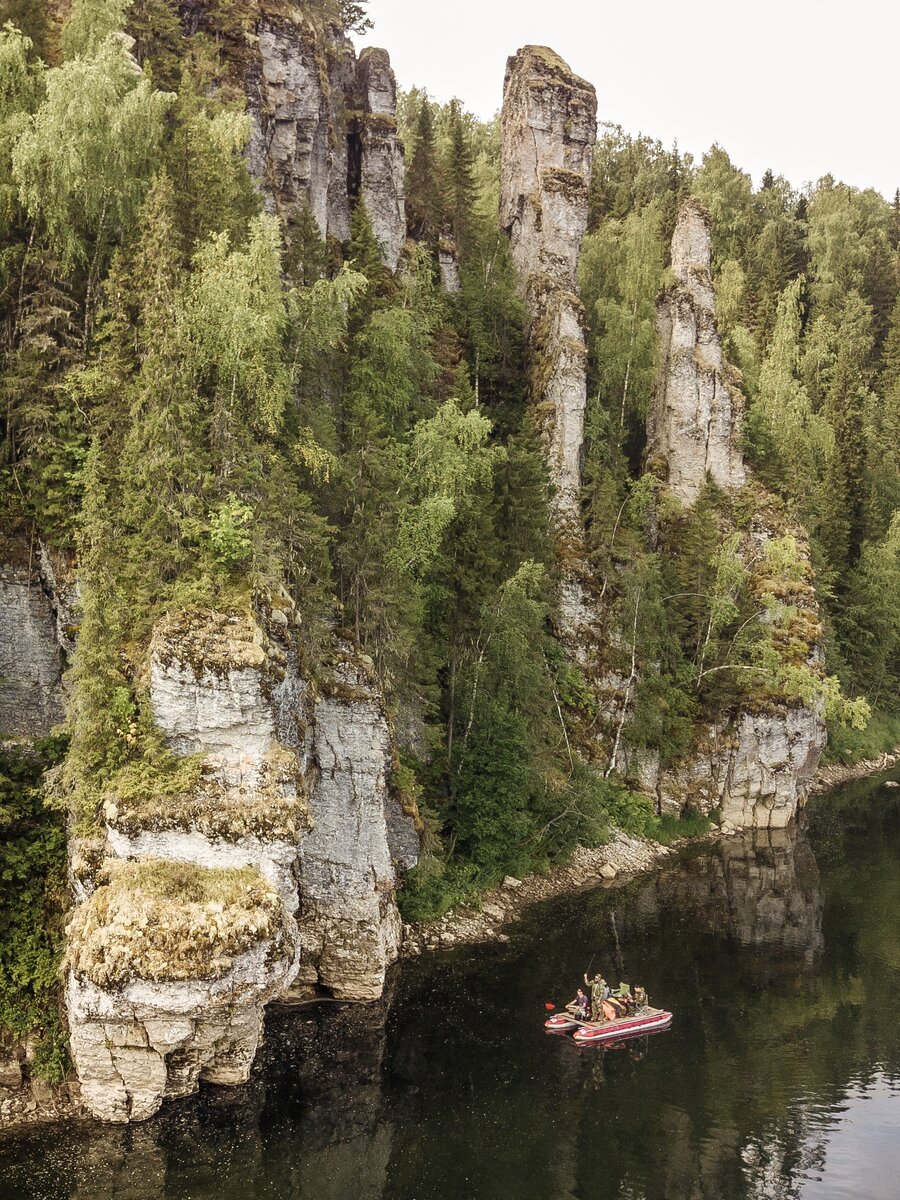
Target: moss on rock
(171,922)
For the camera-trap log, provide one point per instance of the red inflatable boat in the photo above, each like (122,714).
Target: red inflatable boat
(587,1033)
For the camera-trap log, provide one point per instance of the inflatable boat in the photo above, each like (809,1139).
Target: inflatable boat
(588,1033)
(651,1020)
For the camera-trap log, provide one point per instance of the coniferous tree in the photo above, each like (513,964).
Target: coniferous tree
(459,180)
(424,199)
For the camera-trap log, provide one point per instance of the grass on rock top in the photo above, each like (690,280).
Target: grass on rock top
(162,922)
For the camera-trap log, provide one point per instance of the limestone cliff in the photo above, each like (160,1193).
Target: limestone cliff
(755,765)
(277,868)
(37,619)
(324,129)
(548,130)
(694,428)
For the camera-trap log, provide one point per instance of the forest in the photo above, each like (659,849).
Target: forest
(205,403)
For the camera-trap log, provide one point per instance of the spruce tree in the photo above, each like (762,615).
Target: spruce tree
(459,178)
(424,201)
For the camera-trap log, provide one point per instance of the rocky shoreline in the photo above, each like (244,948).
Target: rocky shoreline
(835,774)
(606,866)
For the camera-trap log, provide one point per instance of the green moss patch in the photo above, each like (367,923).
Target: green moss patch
(190,798)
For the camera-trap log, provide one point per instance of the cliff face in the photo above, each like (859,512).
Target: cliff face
(695,421)
(757,763)
(548,130)
(272,875)
(30,665)
(324,129)
(38,599)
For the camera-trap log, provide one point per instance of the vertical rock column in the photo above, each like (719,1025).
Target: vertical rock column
(695,421)
(324,129)
(381,181)
(548,129)
(754,765)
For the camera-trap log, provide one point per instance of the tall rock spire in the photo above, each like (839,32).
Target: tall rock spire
(548,130)
(324,129)
(695,421)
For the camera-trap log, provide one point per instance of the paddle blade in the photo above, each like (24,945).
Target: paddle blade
(549,1007)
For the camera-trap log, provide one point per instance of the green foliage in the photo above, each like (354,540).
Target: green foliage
(232,545)
(90,23)
(32,901)
(848,745)
(83,161)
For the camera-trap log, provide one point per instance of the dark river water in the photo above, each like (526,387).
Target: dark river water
(780,1077)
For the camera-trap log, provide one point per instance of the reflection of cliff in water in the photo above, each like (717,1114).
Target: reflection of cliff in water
(310,1123)
(784,986)
(760,888)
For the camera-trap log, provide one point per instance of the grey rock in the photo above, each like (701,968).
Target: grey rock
(324,129)
(30,661)
(697,412)
(548,131)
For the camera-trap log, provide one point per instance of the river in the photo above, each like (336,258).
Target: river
(780,1077)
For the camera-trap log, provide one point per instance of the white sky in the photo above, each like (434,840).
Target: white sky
(801,86)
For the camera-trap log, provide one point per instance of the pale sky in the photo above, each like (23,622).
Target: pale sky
(801,86)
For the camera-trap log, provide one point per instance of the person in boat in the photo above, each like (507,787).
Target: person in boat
(582,1005)
(599,993)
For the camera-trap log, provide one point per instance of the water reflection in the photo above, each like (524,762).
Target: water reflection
(778,1079)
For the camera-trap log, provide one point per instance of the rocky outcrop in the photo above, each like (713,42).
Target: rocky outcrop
(381,167)
(348,916)
(30,658)
(755,770)
(695,422)
(324,129)
(548,130)
(756,764)
(268,874)
(448,265)
(154,1001)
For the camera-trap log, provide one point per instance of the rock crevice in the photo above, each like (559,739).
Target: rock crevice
(324,130)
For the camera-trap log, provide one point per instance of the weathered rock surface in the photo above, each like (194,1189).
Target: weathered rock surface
(548,131)
(695,422)
(148,1042)
(30,659)
(448,265)
(324,129)
(349,921)
(381,174)
(756,771)
(295,785)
